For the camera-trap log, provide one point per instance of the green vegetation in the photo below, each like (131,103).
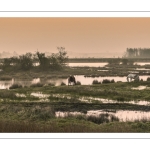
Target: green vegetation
(23,108)
(26,61)
(34,108)
(138,52)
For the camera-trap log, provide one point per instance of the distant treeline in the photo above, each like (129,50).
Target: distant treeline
(106,60)
(39,60)
(137,53)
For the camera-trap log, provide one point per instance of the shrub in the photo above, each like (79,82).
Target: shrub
(5,78)
(36,85)
(62,83)
(108,81)
(112,81)
(15,86)
(148,79)
(78,83)
(51,84)
(95,82)
(102,118)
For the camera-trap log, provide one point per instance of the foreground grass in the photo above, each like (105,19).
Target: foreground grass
(28,114)
(72,125)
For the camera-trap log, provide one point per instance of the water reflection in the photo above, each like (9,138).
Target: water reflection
(142,69)
(6,84)
(122,115)
(39,95)
(102,100)
(139,88)
(142,63)
(89,80)
(87,64)
(57,81)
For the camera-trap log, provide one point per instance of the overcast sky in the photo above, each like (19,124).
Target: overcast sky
(90,35)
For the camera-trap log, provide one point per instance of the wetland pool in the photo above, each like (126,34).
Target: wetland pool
(57,81)
(122,115)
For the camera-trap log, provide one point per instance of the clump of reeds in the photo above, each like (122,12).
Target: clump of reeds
(108,81)
(148,79)
(51,84)
(15,86)
(102,118)
(62,83)
(96,82)
(36,85)
(7,94)
(41,113)
(78,83)
(5,78)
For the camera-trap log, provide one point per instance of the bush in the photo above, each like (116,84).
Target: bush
(78,83)
(95,82)
(36,85)
(4,78)
(112,81)
(62,83)
(15,86)
(51,84)
(102,118)
(148,79)
(108,81)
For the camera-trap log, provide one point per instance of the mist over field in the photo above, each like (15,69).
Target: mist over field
(81,37)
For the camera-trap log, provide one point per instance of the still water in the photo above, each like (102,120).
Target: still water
(101,64)
(57,82)
(141,63)
(122,115)
(87,64)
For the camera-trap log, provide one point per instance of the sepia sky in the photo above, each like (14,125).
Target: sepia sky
(85,35)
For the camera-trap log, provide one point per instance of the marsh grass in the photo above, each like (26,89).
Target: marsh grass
(7,77)
(28,112)
(37,85)
(108,81)
(51,84)
(148,79)
(15,86)
(103,118)
(7,94)
(96,82)
(78,83)
(77,124)
(36,116)
(62,84)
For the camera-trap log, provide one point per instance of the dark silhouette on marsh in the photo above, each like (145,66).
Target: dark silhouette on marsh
(71,79)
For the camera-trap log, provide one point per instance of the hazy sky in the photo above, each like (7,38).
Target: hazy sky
(90,35)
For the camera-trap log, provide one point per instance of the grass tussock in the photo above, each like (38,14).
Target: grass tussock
(37,85)
(15,86)
(96,82)
(78,83)
(62,84)
(108,81)
(4,78)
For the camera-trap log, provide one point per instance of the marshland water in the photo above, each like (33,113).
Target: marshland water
(83,79)
(118,101)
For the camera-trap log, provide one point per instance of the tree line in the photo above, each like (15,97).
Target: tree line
(27,61)
(137,53)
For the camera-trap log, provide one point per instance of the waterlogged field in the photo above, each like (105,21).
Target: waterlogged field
(79,108)
(39,102)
